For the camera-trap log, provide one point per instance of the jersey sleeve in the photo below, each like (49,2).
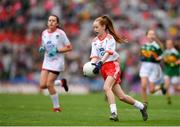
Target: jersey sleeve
(158,49)
(65,39)
(41,40)
(94,53)
(110,46)
(162,55)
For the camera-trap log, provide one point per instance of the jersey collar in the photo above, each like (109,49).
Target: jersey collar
(102,38)
(51,31)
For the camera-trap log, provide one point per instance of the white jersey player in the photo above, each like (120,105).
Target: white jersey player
(54,44)
(104,57)
(57,39)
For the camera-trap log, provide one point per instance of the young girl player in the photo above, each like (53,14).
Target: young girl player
(54,44)
(105,58)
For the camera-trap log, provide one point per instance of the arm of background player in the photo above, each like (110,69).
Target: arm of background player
(66,48)
(178,62)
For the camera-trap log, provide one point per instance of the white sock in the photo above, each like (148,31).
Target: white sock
(55,100)
(57,82)
(138,105)
(113,108)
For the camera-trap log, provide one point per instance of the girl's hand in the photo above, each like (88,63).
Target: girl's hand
(42,50)
(53,52)
(159,58)
(98,67)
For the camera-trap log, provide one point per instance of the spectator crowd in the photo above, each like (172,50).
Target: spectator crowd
(22,21)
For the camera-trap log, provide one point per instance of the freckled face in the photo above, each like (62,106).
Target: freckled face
(98,28)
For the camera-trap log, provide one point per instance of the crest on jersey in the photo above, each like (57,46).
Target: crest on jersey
(57,36)
(48,42)
(102,51)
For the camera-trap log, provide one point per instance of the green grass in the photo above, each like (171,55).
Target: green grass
(83,110)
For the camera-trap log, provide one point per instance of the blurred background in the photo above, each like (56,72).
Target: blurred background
(22,21)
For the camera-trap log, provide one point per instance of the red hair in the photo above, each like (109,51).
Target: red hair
(105,20)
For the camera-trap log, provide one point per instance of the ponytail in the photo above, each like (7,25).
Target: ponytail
(105,20)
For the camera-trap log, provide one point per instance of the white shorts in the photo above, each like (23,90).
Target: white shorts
(152,71)
(173,80)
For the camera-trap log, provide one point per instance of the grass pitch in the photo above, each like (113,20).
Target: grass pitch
(83,110)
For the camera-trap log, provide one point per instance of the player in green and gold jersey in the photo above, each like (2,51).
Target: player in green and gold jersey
(150,71)
(171,58)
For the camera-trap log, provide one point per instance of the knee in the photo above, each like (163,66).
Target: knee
(122,98)
(143,87)
(43,86)
(50,84)
(166,87)
(106,89)
(176,88)
(152,90)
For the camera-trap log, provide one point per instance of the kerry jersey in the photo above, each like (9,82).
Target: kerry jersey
(150,51)
(170,56)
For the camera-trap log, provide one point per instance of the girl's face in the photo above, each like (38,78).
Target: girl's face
(52,22)
(169,44)
(98,28)
(151,35)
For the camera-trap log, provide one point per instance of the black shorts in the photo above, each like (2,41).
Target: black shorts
(54,72)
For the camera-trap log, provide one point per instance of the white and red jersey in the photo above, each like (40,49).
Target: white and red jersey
(56,39)
(101,46)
